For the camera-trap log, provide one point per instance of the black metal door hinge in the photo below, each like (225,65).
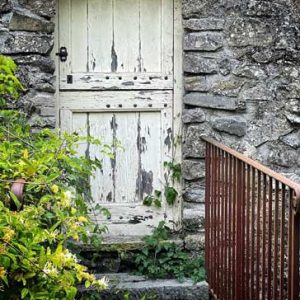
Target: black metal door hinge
(63,54)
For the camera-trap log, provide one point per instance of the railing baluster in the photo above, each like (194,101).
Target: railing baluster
(213,200)
(223,239)
(231,206)
(207,207)
(218,283)
(270,212)
(263,277)
(234,219)
(295,244)
(253,194)
(258,236)
(276,230)
(282,241)
(247,245)
(226,237)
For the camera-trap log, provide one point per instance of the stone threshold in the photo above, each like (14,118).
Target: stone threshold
(124,243)
(138,287)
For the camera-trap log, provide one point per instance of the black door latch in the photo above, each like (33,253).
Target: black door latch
(63,54)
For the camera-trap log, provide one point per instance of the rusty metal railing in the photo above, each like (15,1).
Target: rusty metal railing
(252,228)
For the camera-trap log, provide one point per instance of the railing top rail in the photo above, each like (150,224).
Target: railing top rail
(259,167)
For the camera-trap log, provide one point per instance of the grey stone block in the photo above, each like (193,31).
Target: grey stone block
(243,32)
(40,7)
(25,42)
(214,102)
(292,139)
(234,125)
(194,192)
(250,71)
(195,115)
(45,64)
(193,169)
(23,20)
(195,242)
(204,24)
(138,287)
(258,92)
(229,87)
(293,118)
(5,6)
(193,218)
(203,41)
(193,146)
(196,63)
(198,83)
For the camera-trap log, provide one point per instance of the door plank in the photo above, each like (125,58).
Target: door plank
(65,35)
(66,120)
(80,126)
(100,34)
(125,49)
(102,185)
(150,153)
(127,165)
(168,33)
(79,42)
(130,100)
(150,35)
(118,81)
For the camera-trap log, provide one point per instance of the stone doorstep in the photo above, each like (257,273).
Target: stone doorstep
(123,244)
(139,286)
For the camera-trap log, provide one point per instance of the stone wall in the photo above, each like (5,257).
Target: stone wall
(242,87)
(26,34)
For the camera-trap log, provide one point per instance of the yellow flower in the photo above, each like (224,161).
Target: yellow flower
(2,272)
(25,154)
(66,199)
(54,189)
(8,234)
(102,283)
(82,219)
(76,237)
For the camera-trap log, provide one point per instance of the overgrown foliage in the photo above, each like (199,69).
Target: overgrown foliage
(37,228)
(163,259)
(170,193)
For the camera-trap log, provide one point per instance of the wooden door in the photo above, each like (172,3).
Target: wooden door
(117,83)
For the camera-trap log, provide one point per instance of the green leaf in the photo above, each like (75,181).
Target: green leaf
(71,292)
(4,261)
(171,195)
(157,203)
(157,193)
(24,293)
(15,200)
(148,200)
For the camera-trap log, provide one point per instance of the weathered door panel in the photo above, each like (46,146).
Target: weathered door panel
(136,170)
(118,84)
(131,38)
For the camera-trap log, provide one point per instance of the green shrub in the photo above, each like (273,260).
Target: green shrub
(38,228)
(161,258)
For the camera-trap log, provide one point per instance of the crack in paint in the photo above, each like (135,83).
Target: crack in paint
(114,127)
(168,139)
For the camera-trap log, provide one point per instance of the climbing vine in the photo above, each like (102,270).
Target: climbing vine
(169,192)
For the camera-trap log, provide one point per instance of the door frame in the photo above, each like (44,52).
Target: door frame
(177,97)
